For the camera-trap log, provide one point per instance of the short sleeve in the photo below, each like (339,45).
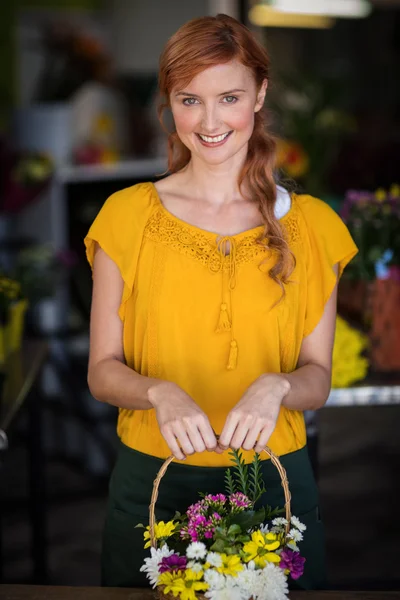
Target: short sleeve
(327,242)
(118,229)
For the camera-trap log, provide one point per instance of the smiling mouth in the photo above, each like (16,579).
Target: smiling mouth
(216,139)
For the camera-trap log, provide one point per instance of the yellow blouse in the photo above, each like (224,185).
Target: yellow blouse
(198,308)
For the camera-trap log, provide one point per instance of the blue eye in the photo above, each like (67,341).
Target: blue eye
(189,101)
(230,99)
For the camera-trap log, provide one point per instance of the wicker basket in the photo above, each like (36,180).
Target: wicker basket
(152,519)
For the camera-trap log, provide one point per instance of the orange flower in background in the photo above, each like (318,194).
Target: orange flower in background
(292,158)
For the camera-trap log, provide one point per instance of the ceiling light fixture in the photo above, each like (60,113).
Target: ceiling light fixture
(353,9)
(306,13)
(266,16)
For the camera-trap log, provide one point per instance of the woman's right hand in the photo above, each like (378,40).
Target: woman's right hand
(184,426)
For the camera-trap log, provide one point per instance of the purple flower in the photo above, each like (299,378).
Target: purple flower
(173,563)
(240,501)
(292,561)
(211,499)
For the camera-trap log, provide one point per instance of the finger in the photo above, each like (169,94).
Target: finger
(251,438)
(228,431)
(183,439)
(173,445)
(263,438)
(196,438)
(240,434)
(208,435)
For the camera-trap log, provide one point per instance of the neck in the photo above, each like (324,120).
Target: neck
(217,184)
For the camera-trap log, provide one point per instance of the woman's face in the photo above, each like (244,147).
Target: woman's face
(214,114)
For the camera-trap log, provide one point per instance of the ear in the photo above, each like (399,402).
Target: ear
(261,96)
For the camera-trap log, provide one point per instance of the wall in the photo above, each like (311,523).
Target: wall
(140,29)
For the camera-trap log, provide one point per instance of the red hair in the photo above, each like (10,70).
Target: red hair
(205,42)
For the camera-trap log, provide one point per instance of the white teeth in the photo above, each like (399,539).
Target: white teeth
(214,140)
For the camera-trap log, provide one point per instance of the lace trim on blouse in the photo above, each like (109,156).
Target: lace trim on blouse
(220,254)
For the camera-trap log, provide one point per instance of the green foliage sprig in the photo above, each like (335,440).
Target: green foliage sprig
(245,478)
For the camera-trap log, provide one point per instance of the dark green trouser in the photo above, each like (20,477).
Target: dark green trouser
(130,491)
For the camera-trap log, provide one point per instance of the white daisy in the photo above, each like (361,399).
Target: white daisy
(272,583)
(279,521)
(229,592)
(150,566)
(214,559)
(292,545)
(295,535)
(247,581)
(196,550)
(195,566)
(215,580)
(297,523)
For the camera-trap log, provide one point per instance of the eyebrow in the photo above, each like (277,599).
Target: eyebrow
(196,96)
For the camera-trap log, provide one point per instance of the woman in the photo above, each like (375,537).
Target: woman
(214,303)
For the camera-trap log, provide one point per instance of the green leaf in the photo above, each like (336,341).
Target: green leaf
(240,471)
(234,529)
(231,550)
(139,525)
(230,485)
(248,519)
(271,513)
(256,482)
(218,546)
(243,539)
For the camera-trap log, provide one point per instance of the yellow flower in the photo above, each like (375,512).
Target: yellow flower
(161,530)
(348,365)
(231,565)
(173,582)
(192,585)
(395,191)
(380,195)
(261,548)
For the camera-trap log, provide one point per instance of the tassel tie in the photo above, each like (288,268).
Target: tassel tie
(226,248)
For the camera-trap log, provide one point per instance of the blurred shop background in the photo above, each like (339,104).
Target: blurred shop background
(78,96)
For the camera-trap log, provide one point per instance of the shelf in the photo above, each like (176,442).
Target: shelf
(125,169)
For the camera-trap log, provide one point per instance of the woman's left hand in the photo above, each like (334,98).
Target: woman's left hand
(251,422)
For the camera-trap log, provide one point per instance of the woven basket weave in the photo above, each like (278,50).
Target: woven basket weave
(152,519)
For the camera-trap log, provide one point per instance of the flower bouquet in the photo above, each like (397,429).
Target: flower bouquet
(223,547)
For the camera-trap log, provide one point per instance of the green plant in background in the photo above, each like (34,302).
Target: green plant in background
(41,269)
(312,127)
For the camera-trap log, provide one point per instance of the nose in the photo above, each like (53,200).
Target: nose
(210,123)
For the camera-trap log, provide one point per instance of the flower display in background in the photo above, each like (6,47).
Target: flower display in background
(13,306)
(41,269)
(348,364)
(311,124)
(23,178)
(373,220)
(292,159)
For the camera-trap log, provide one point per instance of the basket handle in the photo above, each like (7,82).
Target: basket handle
(275,461)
